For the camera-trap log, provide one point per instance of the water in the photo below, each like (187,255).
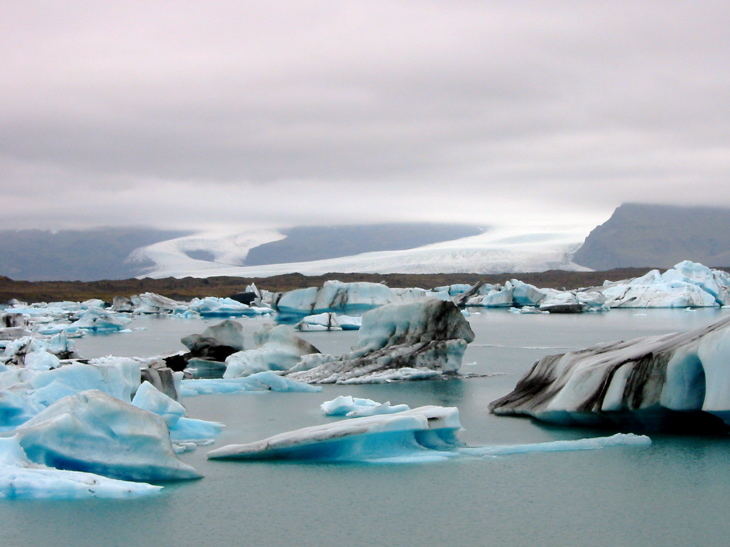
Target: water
(673,493)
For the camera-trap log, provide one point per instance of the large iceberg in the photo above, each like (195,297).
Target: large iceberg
(209,350)
(97,433)
(677,381)
(22,479)
(423,434)
(416,340)
(687,284)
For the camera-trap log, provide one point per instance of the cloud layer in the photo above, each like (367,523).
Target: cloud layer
(199,114)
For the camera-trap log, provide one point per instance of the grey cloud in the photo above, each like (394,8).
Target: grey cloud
(245,112)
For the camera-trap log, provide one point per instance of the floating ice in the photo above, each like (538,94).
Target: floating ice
(671,381)
(262,381)
(353,407)
(279,349)
(335,296)
(427,433)
(319,322)
(211,306)
(421,339)
(96,433)
(22,479)
(687,284)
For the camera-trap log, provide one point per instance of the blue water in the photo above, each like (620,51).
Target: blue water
(673,493)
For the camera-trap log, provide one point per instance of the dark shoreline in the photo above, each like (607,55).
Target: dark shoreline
(189,287)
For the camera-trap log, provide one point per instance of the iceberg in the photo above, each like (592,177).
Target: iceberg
(423,434)
(427,428)
(96,433)
(279,349)
(334,296)
(687,284)
(262,381)
(415,340)
(677,381)
(211,306)
(22,479)
(353,407)
(320,322)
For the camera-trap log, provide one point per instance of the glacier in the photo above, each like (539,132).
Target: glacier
(498,250)
(423,434)
(677,381)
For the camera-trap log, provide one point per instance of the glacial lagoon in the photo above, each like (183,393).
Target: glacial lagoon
(671,493)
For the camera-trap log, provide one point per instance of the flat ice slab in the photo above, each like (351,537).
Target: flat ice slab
(424,434)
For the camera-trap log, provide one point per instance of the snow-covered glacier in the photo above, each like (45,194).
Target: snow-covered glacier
(677,381)
(423,434)
(497,250)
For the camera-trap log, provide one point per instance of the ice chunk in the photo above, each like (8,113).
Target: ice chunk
(21,479)
(41,360)
(99,321)
(352,407)
(319,322)
(262,381)
(211,306)
(427,428)
(96,433)
(349,322)
(593,443)
(148,397)
(428,433)
(336,296)
(666,382)
(279,349)
(419,339)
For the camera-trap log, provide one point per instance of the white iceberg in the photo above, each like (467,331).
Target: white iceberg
(319,322)
(687,284)
(262,381)
(335,296)
(353,407)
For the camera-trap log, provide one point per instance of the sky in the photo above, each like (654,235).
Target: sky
(212,115)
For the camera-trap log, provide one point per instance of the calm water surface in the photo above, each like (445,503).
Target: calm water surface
(673,493)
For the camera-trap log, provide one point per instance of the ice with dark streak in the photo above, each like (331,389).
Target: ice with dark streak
(415,340)
(676,381)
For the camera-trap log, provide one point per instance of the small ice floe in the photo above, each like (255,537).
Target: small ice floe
(353,407)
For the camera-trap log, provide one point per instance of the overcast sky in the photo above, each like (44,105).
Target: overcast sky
(224,114)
